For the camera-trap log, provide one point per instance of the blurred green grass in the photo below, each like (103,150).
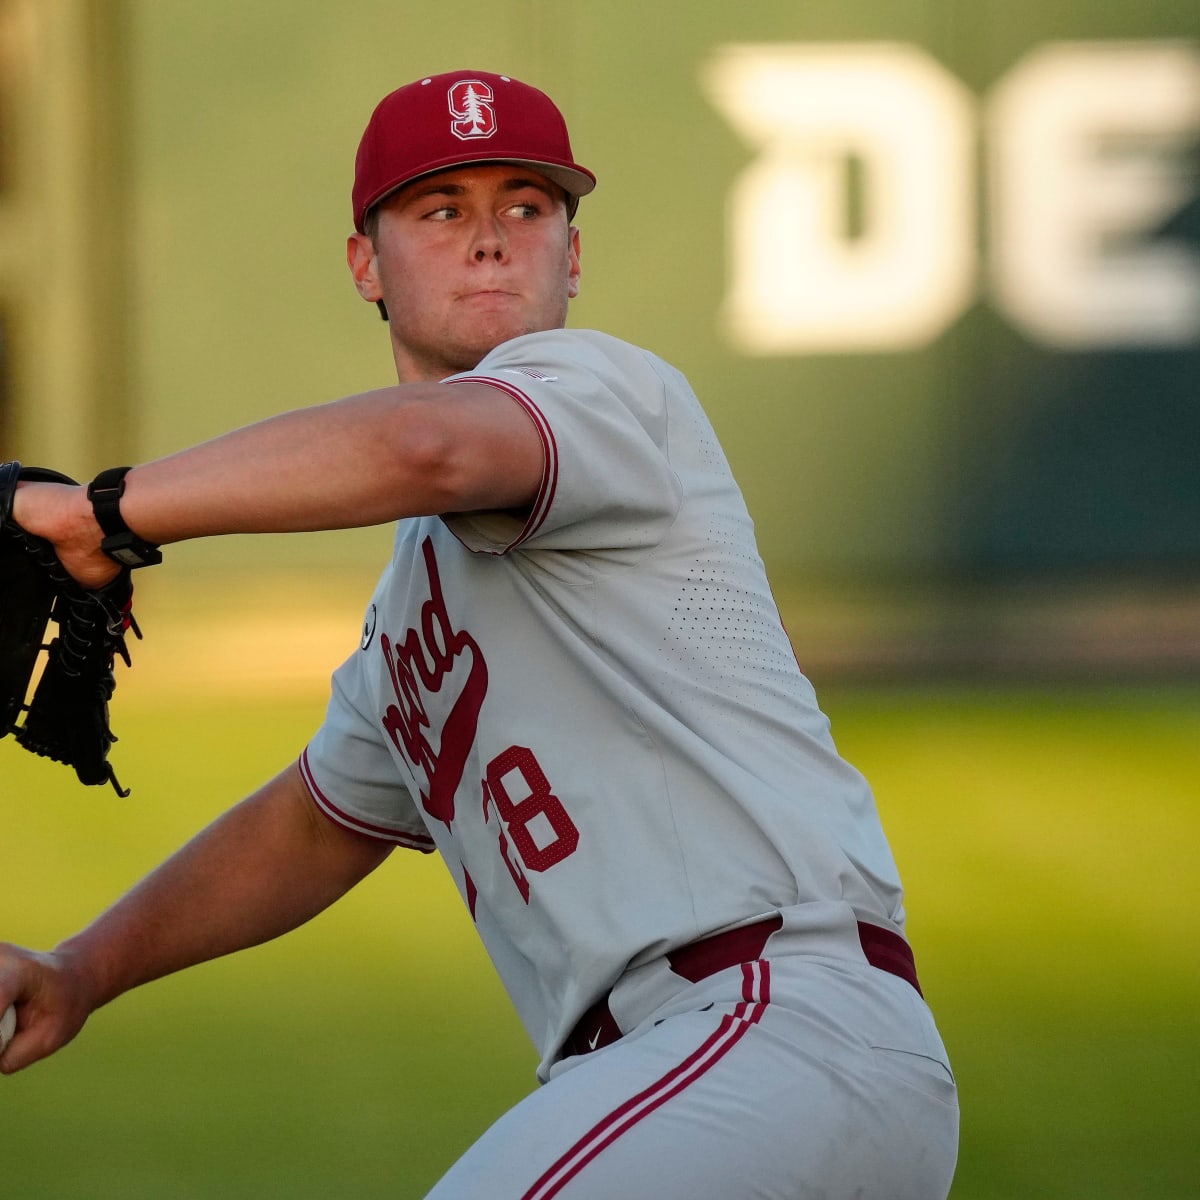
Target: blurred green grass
(1047,839)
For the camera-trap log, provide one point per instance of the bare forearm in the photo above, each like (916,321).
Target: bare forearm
(412,450)
(370,459)
(359,461)
(263,868)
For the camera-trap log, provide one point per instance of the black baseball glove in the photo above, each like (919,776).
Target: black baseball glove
(67,718)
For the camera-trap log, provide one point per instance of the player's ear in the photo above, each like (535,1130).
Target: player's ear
(575,270)
(360,258)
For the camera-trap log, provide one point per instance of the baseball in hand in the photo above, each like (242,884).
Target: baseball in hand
(8,1027)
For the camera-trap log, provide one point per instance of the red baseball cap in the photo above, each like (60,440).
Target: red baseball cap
(450,120)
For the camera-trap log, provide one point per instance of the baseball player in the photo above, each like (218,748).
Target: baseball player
(572,684)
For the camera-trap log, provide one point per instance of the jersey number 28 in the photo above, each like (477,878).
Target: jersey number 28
(542,833)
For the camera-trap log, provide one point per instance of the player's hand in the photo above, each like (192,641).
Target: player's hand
(63,515)
(52,1003)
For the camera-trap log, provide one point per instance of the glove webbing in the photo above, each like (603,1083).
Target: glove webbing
(67,718)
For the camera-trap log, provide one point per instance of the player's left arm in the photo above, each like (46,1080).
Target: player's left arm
(410,450)
(259,870)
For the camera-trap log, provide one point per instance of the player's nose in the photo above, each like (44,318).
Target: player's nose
(488,241)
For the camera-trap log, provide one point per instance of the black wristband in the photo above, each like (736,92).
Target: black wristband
(120,542)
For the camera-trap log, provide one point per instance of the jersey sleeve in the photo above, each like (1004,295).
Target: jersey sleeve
(600,407)
(351,775)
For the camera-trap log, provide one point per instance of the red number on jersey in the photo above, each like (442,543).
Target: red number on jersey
(542,833)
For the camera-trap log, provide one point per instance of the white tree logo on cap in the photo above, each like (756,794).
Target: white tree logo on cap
(471,107)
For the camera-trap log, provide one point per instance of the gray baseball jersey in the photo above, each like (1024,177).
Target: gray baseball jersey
(591,709)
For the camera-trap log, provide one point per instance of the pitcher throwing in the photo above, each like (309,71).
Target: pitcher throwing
(572,683)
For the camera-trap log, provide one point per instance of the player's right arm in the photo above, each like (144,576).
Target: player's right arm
(263,868)
(416,449)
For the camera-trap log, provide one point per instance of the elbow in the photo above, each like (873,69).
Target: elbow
(425,460)
(462,453)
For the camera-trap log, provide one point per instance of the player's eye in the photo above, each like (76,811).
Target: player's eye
(526,210)
(446,212)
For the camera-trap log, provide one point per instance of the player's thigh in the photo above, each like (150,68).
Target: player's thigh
(703,1107)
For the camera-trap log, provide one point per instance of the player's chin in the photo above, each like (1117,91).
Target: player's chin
(512,315)
(486,335)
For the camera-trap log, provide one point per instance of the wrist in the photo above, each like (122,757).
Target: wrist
(84,981)
(119,542)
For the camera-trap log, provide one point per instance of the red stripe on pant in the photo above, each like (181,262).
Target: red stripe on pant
(756,995)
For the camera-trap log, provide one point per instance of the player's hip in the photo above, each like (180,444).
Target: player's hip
(840,951)
(774,1078)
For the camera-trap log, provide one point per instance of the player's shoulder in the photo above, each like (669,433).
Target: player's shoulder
(567,353)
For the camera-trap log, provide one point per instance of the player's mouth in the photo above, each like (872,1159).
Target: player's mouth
(487,294)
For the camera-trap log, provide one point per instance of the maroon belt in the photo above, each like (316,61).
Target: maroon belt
(698,960)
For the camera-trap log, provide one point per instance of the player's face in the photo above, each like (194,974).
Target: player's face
(466,260)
